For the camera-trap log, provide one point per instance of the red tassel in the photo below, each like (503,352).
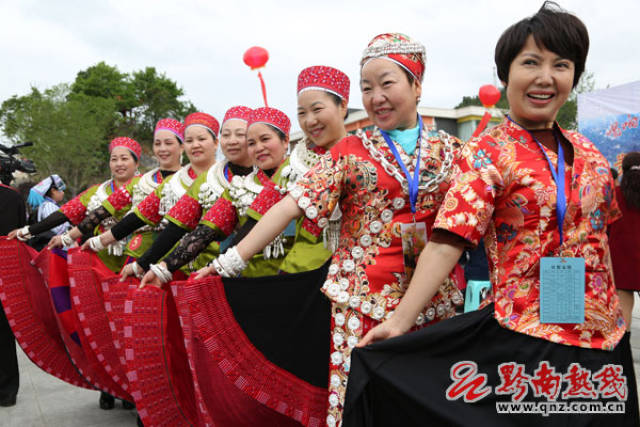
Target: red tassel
(482,125)
(264,89)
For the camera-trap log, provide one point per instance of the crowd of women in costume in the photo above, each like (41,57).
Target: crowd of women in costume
(373,224)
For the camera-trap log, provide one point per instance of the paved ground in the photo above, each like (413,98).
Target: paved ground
(47,401)
(44,400)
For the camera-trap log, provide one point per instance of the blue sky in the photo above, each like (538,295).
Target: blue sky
(200,44)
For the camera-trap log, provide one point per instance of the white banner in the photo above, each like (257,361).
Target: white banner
(609,118)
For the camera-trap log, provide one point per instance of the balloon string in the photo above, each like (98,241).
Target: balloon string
(264,89)
(482,125)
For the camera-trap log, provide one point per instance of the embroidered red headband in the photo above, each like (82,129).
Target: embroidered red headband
(131,144)
(238,112)
(172,125)
(399,48)
(202,119)
(271,116)
(321,77)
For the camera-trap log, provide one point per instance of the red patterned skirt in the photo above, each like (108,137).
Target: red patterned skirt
(231,352)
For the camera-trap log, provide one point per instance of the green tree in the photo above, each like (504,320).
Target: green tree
(157,96)
(69,132)
(141,98)
(568,114)
(71,125)
(105,81)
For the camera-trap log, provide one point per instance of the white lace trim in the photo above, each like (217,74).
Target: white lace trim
(214,186)
(173,190)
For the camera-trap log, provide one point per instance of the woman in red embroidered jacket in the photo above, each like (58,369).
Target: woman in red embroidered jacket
(147,214)
(267,142)
(367,275)
(177,206)
(323,94)
(167,148)
(541,196)
(123,162)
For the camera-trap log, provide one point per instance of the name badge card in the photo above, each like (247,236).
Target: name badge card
(414,239)
(562,290)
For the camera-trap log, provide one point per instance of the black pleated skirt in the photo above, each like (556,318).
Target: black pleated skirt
(448,375)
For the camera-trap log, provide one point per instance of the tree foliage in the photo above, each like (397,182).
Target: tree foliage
(69,132)
(142,97)
(567,115)
(72,124)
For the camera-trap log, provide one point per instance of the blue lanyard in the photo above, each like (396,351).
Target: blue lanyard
(558,177)
(413,182)
(226,172)
(112,187)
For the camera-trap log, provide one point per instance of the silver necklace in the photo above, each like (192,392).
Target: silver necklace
(243,191)
(433,183)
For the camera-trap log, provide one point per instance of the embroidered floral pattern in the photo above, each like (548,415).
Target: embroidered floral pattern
(366,276)
(511,200)
(367,266)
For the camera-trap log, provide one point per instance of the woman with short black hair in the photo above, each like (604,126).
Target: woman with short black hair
(541,197)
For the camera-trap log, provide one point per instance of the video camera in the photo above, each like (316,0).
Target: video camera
(9,163)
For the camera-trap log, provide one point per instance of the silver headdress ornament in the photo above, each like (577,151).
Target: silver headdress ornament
(400,49)
(383,48)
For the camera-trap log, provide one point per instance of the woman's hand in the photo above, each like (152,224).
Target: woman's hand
(150,279)
(385,330)
(434,264)
(55,242)
(127,270)
(157,275)
(205,271)
(105,240)
(13,234)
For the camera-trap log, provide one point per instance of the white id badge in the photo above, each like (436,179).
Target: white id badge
(562,290)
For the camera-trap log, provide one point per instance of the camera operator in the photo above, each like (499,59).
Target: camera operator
(12,215)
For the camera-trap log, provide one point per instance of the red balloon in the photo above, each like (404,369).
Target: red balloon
(489,95)
(255,57)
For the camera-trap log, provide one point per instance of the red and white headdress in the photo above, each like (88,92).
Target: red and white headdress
(271,116)
(172,125)
(129,143)
(321,77)
(399,48)
(238,112)
(202,119)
